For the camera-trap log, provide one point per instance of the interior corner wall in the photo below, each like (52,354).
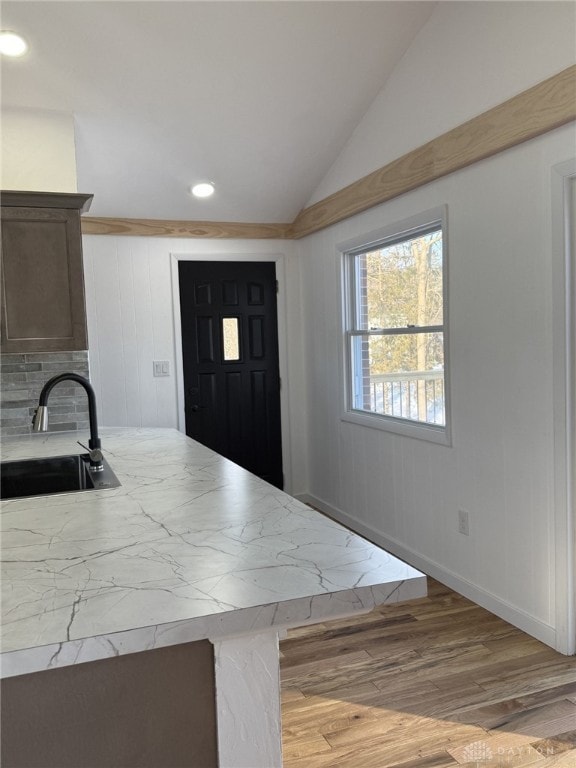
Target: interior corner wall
(130,316)
(405,493)
(37,151)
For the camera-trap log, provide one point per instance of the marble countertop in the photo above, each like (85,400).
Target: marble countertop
(190,546)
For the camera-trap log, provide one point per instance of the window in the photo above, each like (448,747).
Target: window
(230,339)
(395,336)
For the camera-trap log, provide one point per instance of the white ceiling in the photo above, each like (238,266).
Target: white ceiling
(259,97)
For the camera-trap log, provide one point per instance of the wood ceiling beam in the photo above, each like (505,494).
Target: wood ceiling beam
(542,108)
(93,225)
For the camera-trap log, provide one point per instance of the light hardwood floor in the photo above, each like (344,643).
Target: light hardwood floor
(432,683)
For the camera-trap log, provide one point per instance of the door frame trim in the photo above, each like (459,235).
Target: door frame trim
(564,383)
(280,261)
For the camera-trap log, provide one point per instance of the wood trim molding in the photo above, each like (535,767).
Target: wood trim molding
(93,225)
(547,105)
(67,200)
(540,109)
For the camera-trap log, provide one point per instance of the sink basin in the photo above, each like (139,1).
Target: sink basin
(53,474)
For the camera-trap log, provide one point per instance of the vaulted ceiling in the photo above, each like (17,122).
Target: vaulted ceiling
(258,97)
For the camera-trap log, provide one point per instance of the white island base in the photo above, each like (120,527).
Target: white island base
(248,702)
(248,706)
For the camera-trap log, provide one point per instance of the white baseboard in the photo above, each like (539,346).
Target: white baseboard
(518,618)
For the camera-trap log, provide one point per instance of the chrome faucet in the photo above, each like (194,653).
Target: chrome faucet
(40,421)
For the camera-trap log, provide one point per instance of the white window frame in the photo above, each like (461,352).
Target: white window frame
(441,434)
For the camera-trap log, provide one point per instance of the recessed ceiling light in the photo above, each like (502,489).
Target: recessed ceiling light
(12,44)
(203,189)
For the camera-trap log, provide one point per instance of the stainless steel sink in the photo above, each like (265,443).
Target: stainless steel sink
(54,474)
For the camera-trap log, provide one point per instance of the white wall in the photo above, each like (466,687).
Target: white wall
(131,323)
(38,151)
(469,57)
(405,492)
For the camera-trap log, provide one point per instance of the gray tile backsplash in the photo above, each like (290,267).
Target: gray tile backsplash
(22,378)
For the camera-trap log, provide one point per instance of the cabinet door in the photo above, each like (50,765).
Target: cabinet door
(42,281)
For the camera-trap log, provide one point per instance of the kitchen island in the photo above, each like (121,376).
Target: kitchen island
(191,548)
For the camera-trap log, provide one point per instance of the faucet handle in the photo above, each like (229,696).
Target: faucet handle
(95,455)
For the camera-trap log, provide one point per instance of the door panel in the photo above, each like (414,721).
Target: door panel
(256,337)
(230,362)
(205,339)
(230,292)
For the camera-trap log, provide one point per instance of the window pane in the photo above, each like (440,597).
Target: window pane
(230,337)
(401,376)
(401,284)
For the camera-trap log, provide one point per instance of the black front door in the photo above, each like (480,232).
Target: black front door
(230,362)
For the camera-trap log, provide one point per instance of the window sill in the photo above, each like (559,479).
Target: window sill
(417,430)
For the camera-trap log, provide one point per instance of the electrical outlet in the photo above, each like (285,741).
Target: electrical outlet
(463,522)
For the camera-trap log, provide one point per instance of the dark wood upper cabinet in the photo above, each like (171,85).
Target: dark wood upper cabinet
(42,280)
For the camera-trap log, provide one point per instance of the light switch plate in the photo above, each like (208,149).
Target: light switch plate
(161,367)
